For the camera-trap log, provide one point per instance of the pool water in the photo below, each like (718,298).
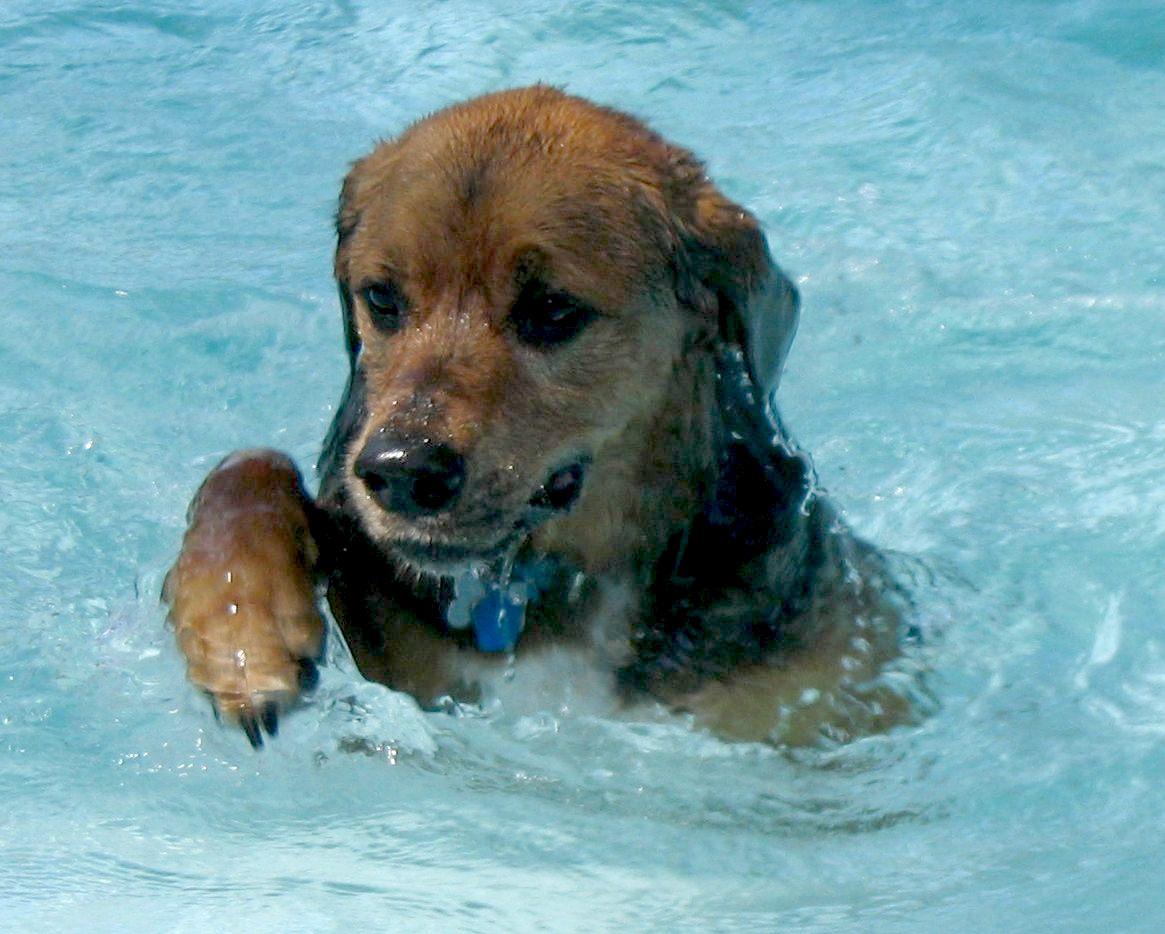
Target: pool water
(971,199)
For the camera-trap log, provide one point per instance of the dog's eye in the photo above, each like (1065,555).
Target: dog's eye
(544,319)
(385,305)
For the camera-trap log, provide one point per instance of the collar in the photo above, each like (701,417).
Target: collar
(493,601)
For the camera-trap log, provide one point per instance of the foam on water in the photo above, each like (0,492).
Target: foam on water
(970,201)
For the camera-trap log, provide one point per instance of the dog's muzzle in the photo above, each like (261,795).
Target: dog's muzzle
(424,481)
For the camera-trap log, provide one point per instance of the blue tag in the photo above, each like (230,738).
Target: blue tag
(498,619)
(497,611)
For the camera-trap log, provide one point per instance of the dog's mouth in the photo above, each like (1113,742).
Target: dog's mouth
(561,489)
(449,555)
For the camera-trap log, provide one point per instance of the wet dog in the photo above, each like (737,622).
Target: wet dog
(556,434)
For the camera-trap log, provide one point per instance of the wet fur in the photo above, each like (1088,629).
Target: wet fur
(740,597)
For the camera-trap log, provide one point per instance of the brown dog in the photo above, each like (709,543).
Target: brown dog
(555,434)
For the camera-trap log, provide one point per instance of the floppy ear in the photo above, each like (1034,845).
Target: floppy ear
(726,272)
(763,482)
(346,221)
(350,413)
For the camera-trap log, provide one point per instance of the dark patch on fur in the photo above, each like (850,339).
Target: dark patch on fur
(351,337)
(473,184)
(714,604)
(351,411)
(350,415)
(363,585)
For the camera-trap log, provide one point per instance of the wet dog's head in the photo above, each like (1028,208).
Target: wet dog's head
(521,275)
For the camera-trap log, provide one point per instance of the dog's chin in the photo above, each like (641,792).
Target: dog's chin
(432,558)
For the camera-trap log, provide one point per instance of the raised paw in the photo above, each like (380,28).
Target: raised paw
(242,592)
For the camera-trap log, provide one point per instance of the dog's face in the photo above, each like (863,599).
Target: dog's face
(519,281)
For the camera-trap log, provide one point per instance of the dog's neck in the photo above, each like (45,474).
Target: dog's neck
(737,579)
(710,464)
(648,482)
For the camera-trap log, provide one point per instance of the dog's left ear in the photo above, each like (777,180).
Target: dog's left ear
(725,272)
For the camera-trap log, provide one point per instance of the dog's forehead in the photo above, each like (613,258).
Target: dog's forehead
(468,192)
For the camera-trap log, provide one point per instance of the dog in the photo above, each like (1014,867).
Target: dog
(557,434)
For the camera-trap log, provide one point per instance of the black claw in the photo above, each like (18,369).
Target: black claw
(251,728)
(309,674)
(270,718)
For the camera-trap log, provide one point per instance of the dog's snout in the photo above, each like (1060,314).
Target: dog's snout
(410,477)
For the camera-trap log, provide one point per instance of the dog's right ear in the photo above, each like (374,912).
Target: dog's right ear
(351,411)
(347,219)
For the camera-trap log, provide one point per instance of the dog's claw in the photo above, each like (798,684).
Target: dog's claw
(270,718)
(242,591)
(309,675)
(251,728)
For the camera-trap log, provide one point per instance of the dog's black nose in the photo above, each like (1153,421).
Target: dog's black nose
(410,477)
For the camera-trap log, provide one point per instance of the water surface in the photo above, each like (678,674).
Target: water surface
(971,201)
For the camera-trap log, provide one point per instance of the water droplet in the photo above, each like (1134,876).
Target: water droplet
(576,586)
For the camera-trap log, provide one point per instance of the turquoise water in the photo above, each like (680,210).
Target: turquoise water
(972,202)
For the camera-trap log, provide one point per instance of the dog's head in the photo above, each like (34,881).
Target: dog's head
(521,276)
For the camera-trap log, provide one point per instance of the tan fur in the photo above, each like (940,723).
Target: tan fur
(241,594)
